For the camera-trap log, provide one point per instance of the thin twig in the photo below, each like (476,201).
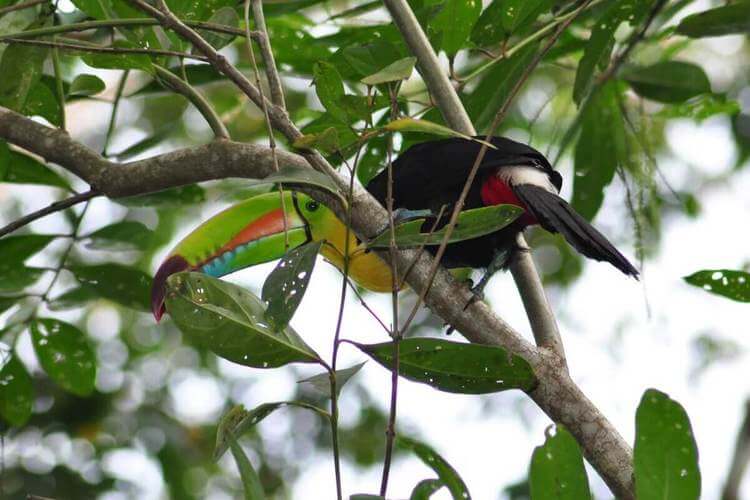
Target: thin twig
(272,74)
(52,208)
(20,6)
(96,49)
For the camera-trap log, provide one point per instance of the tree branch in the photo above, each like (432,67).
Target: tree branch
(272,74)
(57,206)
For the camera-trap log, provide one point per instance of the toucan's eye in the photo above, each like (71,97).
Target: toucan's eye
(312,205)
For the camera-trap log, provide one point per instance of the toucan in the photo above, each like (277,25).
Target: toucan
(426,177)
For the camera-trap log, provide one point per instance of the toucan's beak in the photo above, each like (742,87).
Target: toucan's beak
(257,230)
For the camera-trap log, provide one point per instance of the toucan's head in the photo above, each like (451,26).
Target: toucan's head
(248,233)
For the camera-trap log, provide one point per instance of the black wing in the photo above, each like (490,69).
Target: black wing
(555,215)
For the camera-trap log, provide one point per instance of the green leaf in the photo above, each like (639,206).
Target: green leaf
(425,489)
(725,282)
(230,321)
(301,176)
(454,23)
(19,168)
(86,85)
(471,223)
(18,249)
(665,455)
(75,297)
(250,480)
(521,13)
(489,29)
(174,197)
(366,59)
(124,285)
(557,471)
(327,142)
(394,72)
(226,16)
(701,108)
(728,19)
(321,384)
(17,277)
(24,62)
(8,302)
(285,287)
(434,461)
(140,62)
(455,366)
(16,391)
(669,81)
(601,147)
(42,102)
(121,235)
(64,353)
(408,124)
(238,421)
(147,143)
(330,89)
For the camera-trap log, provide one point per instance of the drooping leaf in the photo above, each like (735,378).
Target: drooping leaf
(394,72)
(124,285)
(442,468)
(669,81)
(286,285)
(238,420)
(24,62)
(140,62)
(64,353)
(230,321)
(665,453)
(408,124)
(425,489)
(601,147)
(557,471)
(471,223)
(85,85)
(16,391)
(19,168)
(330,89)
(453,24)
(321,384)
(733,18)
(725,282)
(18,249)
(455,366)
(250,481)
(120,235)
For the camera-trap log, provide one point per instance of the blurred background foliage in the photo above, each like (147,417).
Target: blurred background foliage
(602,119)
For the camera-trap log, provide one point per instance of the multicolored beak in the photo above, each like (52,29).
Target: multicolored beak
(251,232)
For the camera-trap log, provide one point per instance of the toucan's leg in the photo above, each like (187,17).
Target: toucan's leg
(498,262)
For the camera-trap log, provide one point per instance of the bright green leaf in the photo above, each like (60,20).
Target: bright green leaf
(121,235)
(733,18)
(455,366)
(557,471)
(86,85)
(453,24)
(669,81)
(230,321)
(327,142)
(665,453)
(725,282)
(250,480)
(394,72)
(330,89)
(125,285)
(702,107)
(425,489)
(434,461)
(321,384)
(16,391)
(64,353)
(471,224)
(285,287)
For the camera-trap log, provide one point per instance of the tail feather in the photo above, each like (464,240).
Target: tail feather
(555,215)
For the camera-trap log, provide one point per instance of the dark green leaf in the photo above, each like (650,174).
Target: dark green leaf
(285,287)
(230,321)
(394,72)
(75,297)
(64,353)
(16,391)
(250,480)
(521,13)
(665,453)
(455,366)
(238,420)
(601,147)
(19,168)
(366,59)
(17,277)
(119,61)
(226,16)
(327,142)
(121,235)
(24,62)
(453,24)
(8,302)
(321,384)
(434,461)
(471,223)
(425,489)
(86,85)
(669,81)
(42,102)
(489,29)
(728,19)
(174,197)
(725,282)
(557,471)
(18,249)
(125,285)
(330,89)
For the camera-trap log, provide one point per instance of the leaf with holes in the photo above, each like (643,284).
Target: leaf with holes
(669,81)
(557,471)
(286,285)
(442,468)
(728,19)
(124,285)
(394,72)
(321,384)
(124,235)
(471,224)
(455,366)
(65,354)
(16,391)
(238,420)
(665,455)
(230,321)
(725,282)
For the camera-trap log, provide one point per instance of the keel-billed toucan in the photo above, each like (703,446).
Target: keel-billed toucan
(429,176)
